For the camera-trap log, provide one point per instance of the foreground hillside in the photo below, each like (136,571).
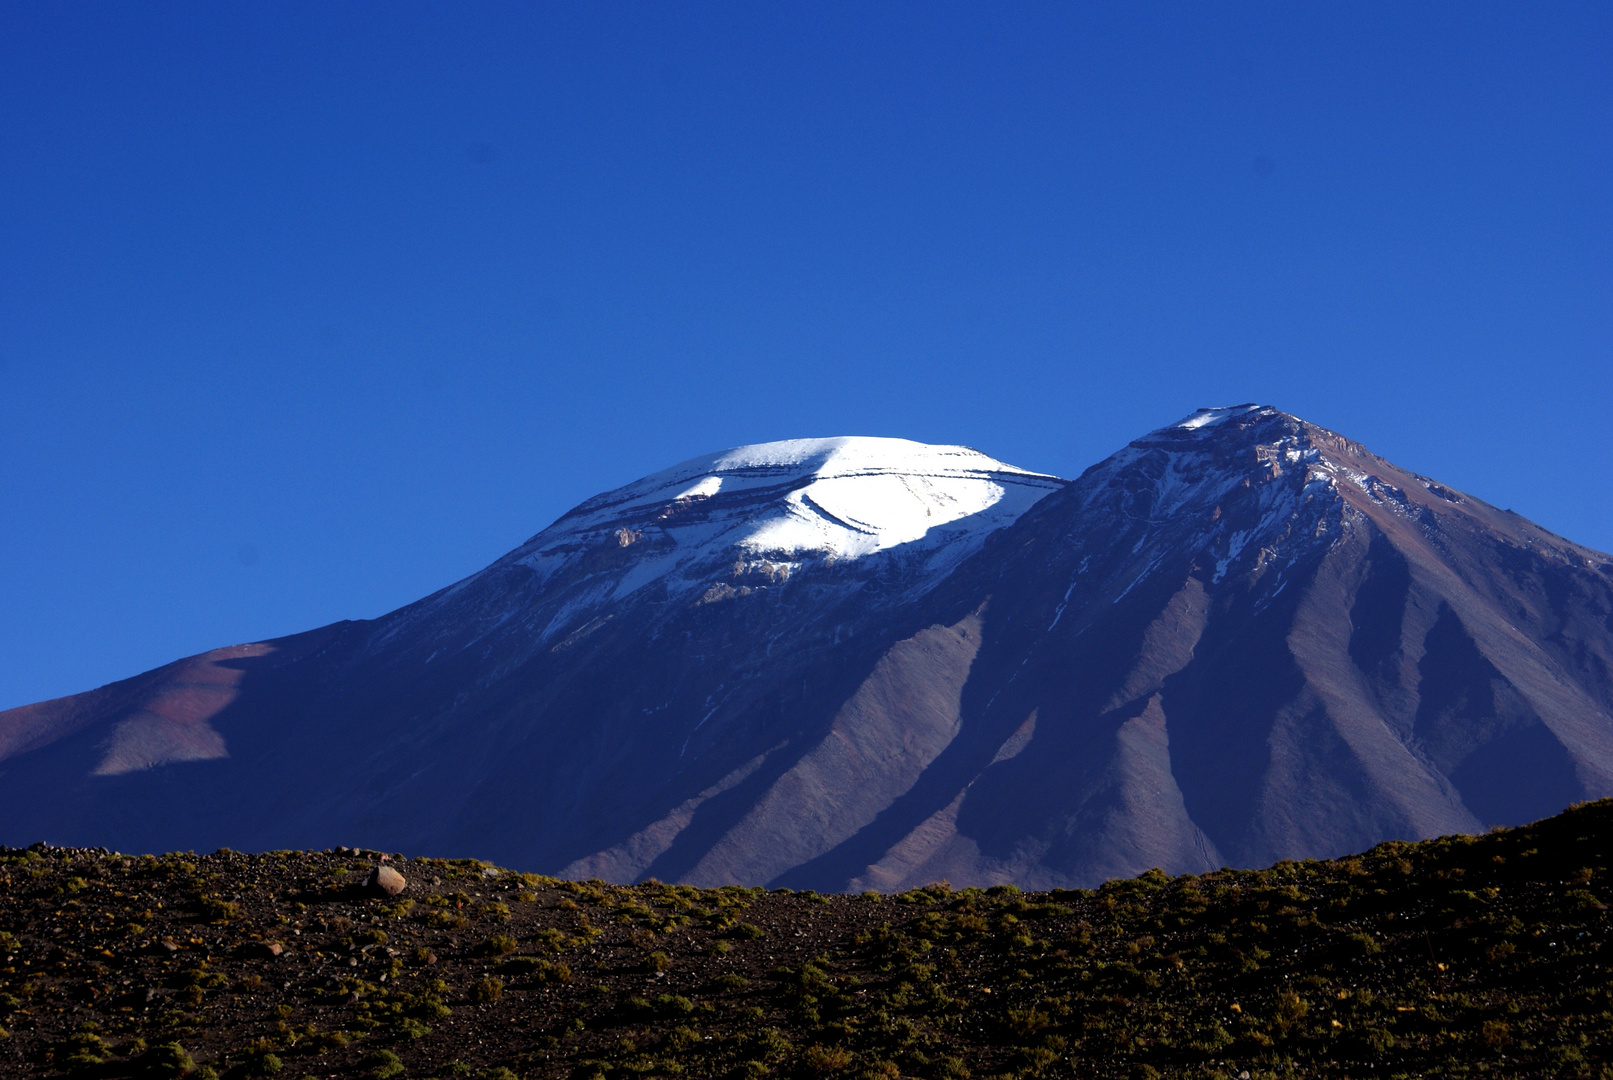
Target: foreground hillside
(1451,957)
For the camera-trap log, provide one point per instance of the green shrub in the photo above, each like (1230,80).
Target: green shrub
(426,1005)
(264,1063)
(166,1060)
(397,910)
(664,1006)
(82,1051)
(410,1028)
(1364,944)
(218,911)
(497,945)
(826,1059)
(1373,1042)
(551,972)
(382,1064)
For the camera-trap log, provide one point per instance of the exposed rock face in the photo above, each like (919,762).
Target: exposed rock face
(857,664)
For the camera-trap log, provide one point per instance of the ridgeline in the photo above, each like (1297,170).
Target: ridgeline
(1462,956)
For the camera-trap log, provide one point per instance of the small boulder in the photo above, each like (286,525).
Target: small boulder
(261,950)
(385,880)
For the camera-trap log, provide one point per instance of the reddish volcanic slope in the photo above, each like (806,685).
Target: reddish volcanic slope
(853,664)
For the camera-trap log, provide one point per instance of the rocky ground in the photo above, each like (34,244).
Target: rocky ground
(1453,957)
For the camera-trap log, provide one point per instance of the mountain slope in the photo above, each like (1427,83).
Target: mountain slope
(849,664)
(659,647)
(1245,638)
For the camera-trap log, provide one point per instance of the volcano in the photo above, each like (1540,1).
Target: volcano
(858,663)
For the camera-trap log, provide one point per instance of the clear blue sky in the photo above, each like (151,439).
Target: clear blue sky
(308,309)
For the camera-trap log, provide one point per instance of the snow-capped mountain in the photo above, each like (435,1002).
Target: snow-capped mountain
(831,514)
(856,663)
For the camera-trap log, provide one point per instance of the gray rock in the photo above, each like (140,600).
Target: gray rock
(385,880)
(261,950)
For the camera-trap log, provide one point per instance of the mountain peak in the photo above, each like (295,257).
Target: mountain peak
(840,456)
(770,464)
(1214,417)
(836,498)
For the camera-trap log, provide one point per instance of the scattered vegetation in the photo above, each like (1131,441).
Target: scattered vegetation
(1464,956)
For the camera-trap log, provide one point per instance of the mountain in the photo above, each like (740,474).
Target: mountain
(1245,638)
(868,663)
(656,647)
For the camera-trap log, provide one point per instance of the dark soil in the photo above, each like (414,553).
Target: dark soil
(1454,957)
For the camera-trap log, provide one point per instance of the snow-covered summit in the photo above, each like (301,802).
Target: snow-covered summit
(1209,418)
(754,516)
(845,497)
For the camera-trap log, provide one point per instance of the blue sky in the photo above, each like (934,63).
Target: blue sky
(307,309)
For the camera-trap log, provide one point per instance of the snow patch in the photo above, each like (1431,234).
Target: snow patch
(705,488)
(1235,546)
(1205,418)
